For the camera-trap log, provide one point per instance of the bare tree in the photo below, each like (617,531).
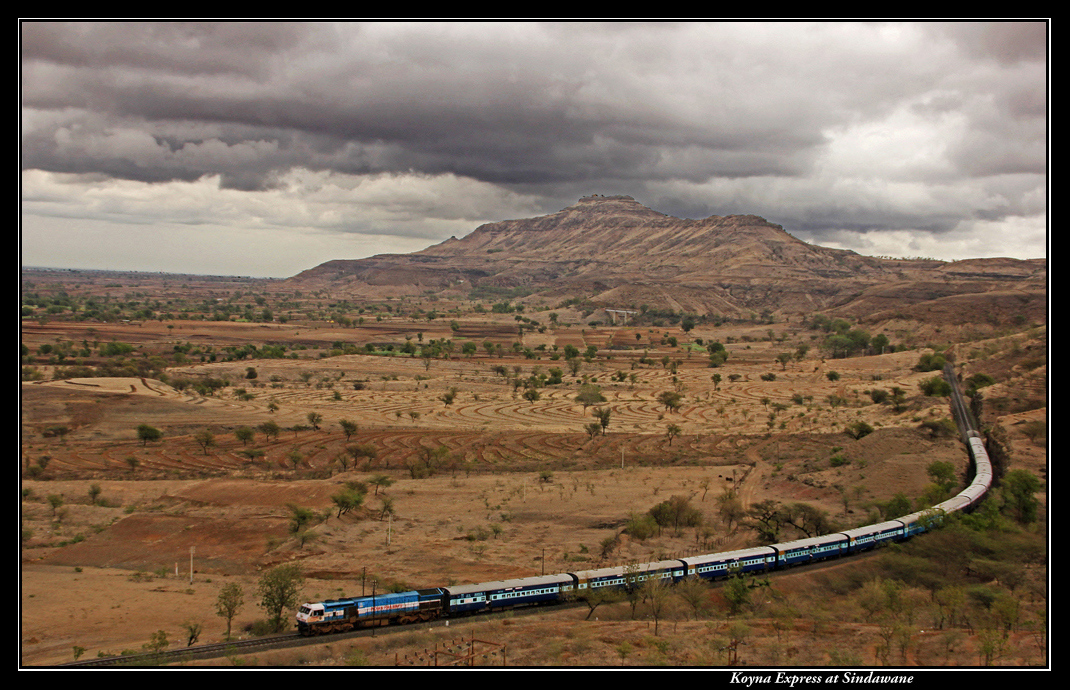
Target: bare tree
(695,592)
(658,594)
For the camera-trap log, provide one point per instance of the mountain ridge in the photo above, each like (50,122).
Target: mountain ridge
(612,250)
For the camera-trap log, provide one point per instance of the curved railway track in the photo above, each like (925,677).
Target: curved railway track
(964,500)
(449,601)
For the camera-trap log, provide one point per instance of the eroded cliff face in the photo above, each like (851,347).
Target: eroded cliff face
(613,250)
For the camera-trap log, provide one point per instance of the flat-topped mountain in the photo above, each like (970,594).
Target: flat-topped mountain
(615,252)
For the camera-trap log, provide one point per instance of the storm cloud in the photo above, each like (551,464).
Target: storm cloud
(349,139)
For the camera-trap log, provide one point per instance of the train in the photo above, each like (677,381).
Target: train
(337,615)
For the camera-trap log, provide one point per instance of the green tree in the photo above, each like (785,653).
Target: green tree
(146,433)
(56,502)
(594,597)
(589,394)
(205,439)
(380,481)
(942,473)
(677,512)
(736,593)
(935,387)
(315,418)
(270,429)
(279,590)
(1018,488)
(229,602)
(348,427)
(347,500)
(671,432)
(193,632)
(858,429)
(898,506)
(671,400)
(157,642)
(602,414)
(363,451)
(300,517)
(244,434)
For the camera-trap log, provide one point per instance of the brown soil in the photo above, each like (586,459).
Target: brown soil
(105,576)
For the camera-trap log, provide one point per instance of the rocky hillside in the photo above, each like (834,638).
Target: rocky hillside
(615,252)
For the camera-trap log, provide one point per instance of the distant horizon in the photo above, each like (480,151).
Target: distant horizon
(134,270)
(274,278)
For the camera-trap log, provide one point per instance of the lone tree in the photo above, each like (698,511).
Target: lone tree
(602,414)
(657,593)
(596,596)
(279,590)
(671,400)
(205,439)
(244,434)
(146,433)
(348,427)
(230,601)
(671,432)
(380,481)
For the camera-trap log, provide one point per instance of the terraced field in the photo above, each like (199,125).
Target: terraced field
(397,406)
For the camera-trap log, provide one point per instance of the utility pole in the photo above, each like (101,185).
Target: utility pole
(373,608)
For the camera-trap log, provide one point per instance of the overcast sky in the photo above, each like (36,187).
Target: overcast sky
(265,149)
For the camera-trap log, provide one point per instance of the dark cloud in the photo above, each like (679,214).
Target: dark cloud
(421,99)
(791,118)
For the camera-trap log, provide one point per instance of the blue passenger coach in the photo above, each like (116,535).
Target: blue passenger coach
(505,594)
(813,549)
(715,566)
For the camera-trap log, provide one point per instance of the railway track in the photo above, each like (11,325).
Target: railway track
(962,418)
(206,651)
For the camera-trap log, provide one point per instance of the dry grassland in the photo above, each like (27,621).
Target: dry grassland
(524,491)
